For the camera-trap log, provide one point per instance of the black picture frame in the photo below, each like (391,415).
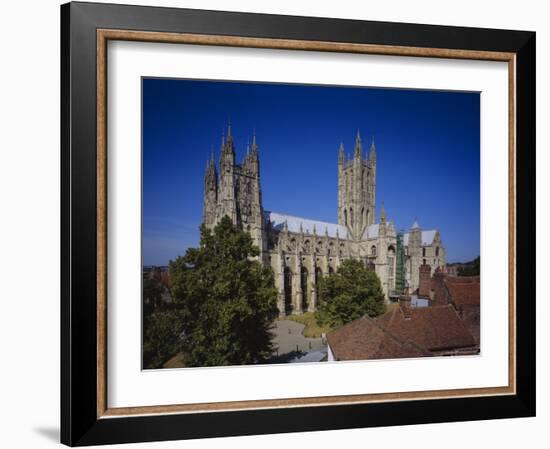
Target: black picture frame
(80,424)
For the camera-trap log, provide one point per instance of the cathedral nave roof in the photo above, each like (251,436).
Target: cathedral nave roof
(371,232)
(278,220)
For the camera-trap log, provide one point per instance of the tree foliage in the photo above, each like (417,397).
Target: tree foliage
(152,294)
(348,294)
(470,268)
(160,324)
(226,300)
(161,332)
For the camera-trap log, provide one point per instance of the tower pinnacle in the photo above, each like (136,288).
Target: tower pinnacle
(372,155)
(341,155)
(358,147)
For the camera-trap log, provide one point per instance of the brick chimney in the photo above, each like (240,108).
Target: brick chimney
(405,301)
(424,281)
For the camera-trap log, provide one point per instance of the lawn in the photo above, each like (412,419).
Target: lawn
(312,328)
(391,306)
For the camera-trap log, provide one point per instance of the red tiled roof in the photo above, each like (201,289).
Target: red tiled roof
(364,339)
(434,328)
(464,293)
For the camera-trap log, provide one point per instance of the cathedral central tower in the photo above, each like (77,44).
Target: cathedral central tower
(357,189)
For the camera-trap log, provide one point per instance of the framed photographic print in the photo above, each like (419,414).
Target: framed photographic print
(280,224)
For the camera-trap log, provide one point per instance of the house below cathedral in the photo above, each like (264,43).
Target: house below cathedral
(301,250)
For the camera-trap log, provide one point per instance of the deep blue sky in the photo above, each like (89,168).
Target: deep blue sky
(427,146)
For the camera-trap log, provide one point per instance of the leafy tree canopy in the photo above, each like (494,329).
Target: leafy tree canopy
(348,294)
(161,337)
(226,300)
(152,294)
(470,268)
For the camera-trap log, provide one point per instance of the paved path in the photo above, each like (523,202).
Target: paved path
(290,341)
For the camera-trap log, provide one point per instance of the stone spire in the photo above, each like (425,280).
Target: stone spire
(228,151)
(382,213)
(229,146)
(372,155)
(254,145)
(341,155)
(254,157)
(382,225)
(358,153)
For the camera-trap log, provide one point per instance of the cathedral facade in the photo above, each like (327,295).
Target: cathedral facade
(300,250)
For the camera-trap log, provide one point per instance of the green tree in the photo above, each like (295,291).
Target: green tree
(161,333)
(470,268)
(348,294)
(225,299)
(152,294)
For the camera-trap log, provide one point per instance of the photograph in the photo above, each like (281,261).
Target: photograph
(294,223)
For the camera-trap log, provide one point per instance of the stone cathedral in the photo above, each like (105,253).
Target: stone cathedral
(300,250)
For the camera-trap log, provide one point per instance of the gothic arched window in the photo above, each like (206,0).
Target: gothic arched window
(318,276)
(423,252)
(351,216)
(437,251)
(345,217)
(373,250)
(288,289)
(303,283)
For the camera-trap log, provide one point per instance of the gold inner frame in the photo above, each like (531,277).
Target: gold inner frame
(104,35)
